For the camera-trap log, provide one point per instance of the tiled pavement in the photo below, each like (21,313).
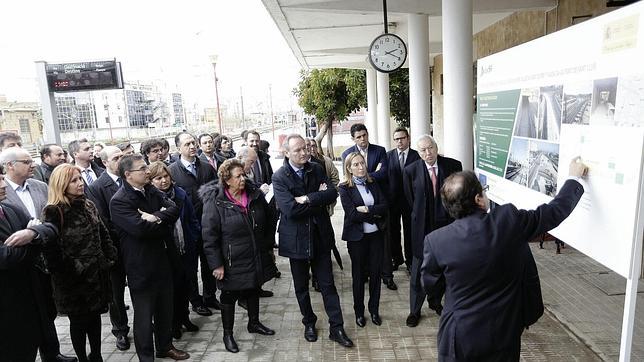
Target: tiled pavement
(548,340)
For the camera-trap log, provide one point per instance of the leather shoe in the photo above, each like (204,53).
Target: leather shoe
(190,327)
(391,285)
(412,320)
(341,337)
(202,310)
(175,354)
(62,358)
(375,319)
(265,293)
(122,343)
(212,303)
(310,334)
(360,321)
(259,328)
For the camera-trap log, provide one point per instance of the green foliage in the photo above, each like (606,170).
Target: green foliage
(331,94)
(399,96)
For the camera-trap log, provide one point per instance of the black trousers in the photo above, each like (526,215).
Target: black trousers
(385,261)
(49,344)
(82,326)
(416,291)
(118,314)
(208,281)
(321,267)
(152,305)
(510,354)
(181,288)
(366,253)
(395,214)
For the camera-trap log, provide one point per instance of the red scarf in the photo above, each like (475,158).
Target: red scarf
(243,204)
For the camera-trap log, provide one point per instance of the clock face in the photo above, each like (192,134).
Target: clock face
(387,53)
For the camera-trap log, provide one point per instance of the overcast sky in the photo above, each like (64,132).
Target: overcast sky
(154,40)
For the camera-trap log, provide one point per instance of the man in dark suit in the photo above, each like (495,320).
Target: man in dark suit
(51,155)
(397,159)
(190,173)
(101,192)
(262,169)
(481,258)
(377,168)
(422,181)
(144,219)
(207,147)
(83,154)
(23,303)
(303,192)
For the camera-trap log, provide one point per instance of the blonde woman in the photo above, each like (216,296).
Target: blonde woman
(79,259)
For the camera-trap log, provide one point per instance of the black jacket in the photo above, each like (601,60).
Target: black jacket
(427,212)
(241,242)
(101,192)
(298,221)
(479,256)
(19,286)
(266,168)
(395,176)
(352,229)
(43,172)
(191,184)
(143,243)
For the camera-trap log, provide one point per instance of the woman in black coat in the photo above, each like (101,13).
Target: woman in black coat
(365,208)
(238,236)
(79,260)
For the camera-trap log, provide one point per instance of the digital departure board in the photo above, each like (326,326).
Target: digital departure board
(85,76)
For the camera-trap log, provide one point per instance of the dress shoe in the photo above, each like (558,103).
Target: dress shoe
(310,334)
(375,319)
(212,303)
(412,320)
(341,337)
(259,328)
(175,354)
(360,321)
(202,310)
(62,358)
(230,343)
(243,303)
(122,343)
(391,285)
(265,293)
(190,327)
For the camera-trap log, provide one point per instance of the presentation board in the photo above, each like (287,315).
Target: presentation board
(576,92)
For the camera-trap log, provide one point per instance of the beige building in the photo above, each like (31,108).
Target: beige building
(23,118)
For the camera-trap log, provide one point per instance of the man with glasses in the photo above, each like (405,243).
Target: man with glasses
(51,155)
(101,192)
(422,181)
(152,150)
(144,218)
(30,196)
(397,159)
(83,154)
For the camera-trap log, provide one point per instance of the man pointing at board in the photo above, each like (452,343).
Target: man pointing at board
(484,258)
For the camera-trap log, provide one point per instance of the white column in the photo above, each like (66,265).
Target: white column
(384,129)
(372,105)
(457,81)
(419,86)
(51,129)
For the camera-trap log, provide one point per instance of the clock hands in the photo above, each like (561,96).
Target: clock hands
(390,53)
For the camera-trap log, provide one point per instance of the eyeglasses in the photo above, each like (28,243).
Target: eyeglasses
(26,162)
(486,188)
(143,168)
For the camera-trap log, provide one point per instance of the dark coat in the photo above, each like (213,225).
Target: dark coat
(203,157)
(376,155)
(191,184)
(191,226)
(143,243)
(101,192)
(221,157)
(352,229)
(395,176)
(43,172)
(479,257)
(242,243)
(81,258)
(19,283)
(298,220)
(267,170)
(427,212)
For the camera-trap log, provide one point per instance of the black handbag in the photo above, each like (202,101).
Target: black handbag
(531,298)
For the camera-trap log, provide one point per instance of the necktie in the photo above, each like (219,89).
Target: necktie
(213,163)
(433,176)
(88,174)
(2,217)
(192,169)
(300,173)
(118,182)
(401,159)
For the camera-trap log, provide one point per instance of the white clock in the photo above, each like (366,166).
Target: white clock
(387,53)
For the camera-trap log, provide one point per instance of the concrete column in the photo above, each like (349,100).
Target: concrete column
(457,81)
(419,86)
(384,129)
(372,105)
(51,129)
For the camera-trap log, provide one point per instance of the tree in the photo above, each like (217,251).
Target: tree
(399,96)
(331,95)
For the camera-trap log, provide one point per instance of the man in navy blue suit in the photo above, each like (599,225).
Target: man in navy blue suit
(482,258)
(377,168)
(397,159)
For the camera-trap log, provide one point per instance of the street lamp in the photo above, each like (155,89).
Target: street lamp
(213,60)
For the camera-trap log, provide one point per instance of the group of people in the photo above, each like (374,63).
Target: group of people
(76,233)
